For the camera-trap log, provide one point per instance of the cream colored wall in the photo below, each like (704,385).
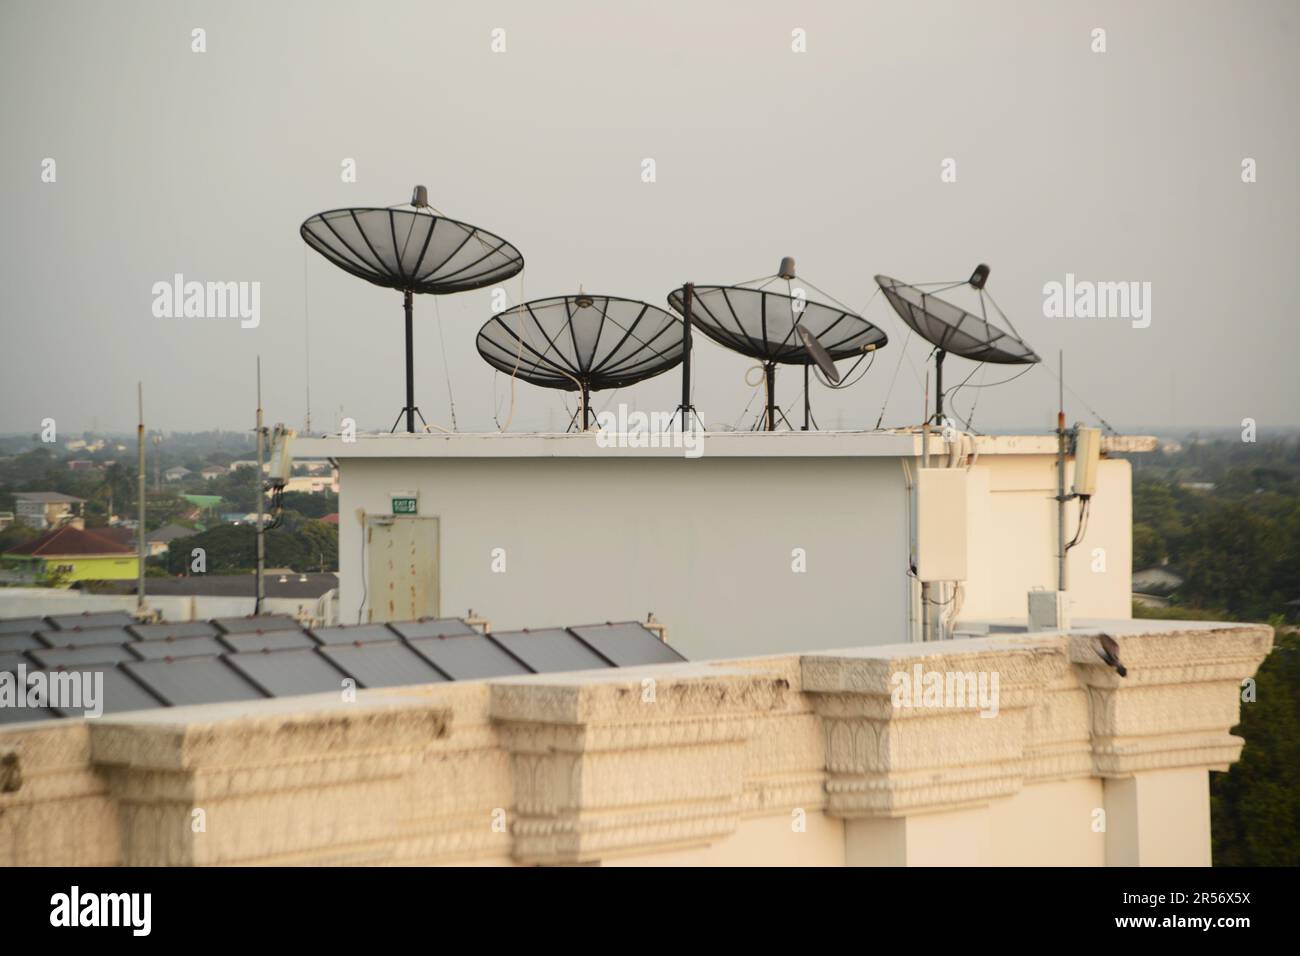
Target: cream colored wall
(711,769)
(705,544)
(1013,538)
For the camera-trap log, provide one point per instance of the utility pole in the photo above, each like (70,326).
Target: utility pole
(1061,581)
(140,482)
(261,523)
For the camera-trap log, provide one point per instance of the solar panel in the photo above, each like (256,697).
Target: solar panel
(87,637)
(267,641)
(550,650)
(25,715)
(21,625)
(183,647)
(19,642)
(288,673)
(262,622)
(70,657)
(357,634)
(120,693)
(467,657)
(195,680)
(66,622)
(627,645)
(431,627)
(391,664)
(153,632)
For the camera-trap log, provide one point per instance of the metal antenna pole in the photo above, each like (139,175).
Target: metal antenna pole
(807,401)
(410,367)
(140,481)
(261,521)
(771,396)
(688,293)
(938,386)
(1061,581)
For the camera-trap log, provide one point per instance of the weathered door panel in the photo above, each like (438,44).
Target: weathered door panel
(403,578)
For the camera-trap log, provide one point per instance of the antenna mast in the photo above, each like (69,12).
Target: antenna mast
(140,482)
(261,523)
(1061,581)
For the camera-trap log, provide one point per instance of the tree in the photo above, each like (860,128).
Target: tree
(1255,807)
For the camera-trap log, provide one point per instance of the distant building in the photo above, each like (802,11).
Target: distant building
(332,518)
(204,502)
(236,465)
(213,471)
(177,473)
(159,541)
(73,554)
(312,484)
(6,519)
(49,509)
(1197,485)
(120,533)
(81,464)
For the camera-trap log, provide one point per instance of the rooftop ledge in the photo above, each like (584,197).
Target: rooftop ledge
(707,759)
(890,443)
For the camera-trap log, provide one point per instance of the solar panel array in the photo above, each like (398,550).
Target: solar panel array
(233,659)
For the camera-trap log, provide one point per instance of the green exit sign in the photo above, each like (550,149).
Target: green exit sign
(405,505)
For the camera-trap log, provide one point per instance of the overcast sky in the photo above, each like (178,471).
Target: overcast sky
(1123,165)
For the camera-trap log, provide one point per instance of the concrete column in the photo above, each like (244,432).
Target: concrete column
(1159,818)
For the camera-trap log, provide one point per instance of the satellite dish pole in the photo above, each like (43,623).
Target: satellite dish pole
(688,293)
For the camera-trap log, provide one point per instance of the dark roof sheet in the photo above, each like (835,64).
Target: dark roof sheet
(468,657)
(267,641)
(355,634)
(66,622)
(21,625)
(550,650)
(431,627)
(262,622)
(153,632)
(19,642)
(287,673)
(73,657)
(193,680)
(77,637)
(626,645)
(178,647)
(393,664)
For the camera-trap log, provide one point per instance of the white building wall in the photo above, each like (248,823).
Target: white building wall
(706,544)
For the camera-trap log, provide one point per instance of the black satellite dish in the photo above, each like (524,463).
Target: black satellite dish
(778,327)
(583,343)
(411,249)
(950,328)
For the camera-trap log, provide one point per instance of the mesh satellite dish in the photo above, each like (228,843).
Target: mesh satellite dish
(950,328)
(582,343)
(412,248)
(778,325)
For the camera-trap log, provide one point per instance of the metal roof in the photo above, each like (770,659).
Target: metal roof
(234,659)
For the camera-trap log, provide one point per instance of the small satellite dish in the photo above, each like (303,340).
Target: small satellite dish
(584,343)
(820,355)
(950,328)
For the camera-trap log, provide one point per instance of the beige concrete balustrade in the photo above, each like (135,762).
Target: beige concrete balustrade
(804,760)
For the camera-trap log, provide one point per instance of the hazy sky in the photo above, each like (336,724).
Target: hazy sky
(1117,166)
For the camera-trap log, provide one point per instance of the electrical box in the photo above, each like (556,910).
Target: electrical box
(941,524)
(1087,456)
(1048,611)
